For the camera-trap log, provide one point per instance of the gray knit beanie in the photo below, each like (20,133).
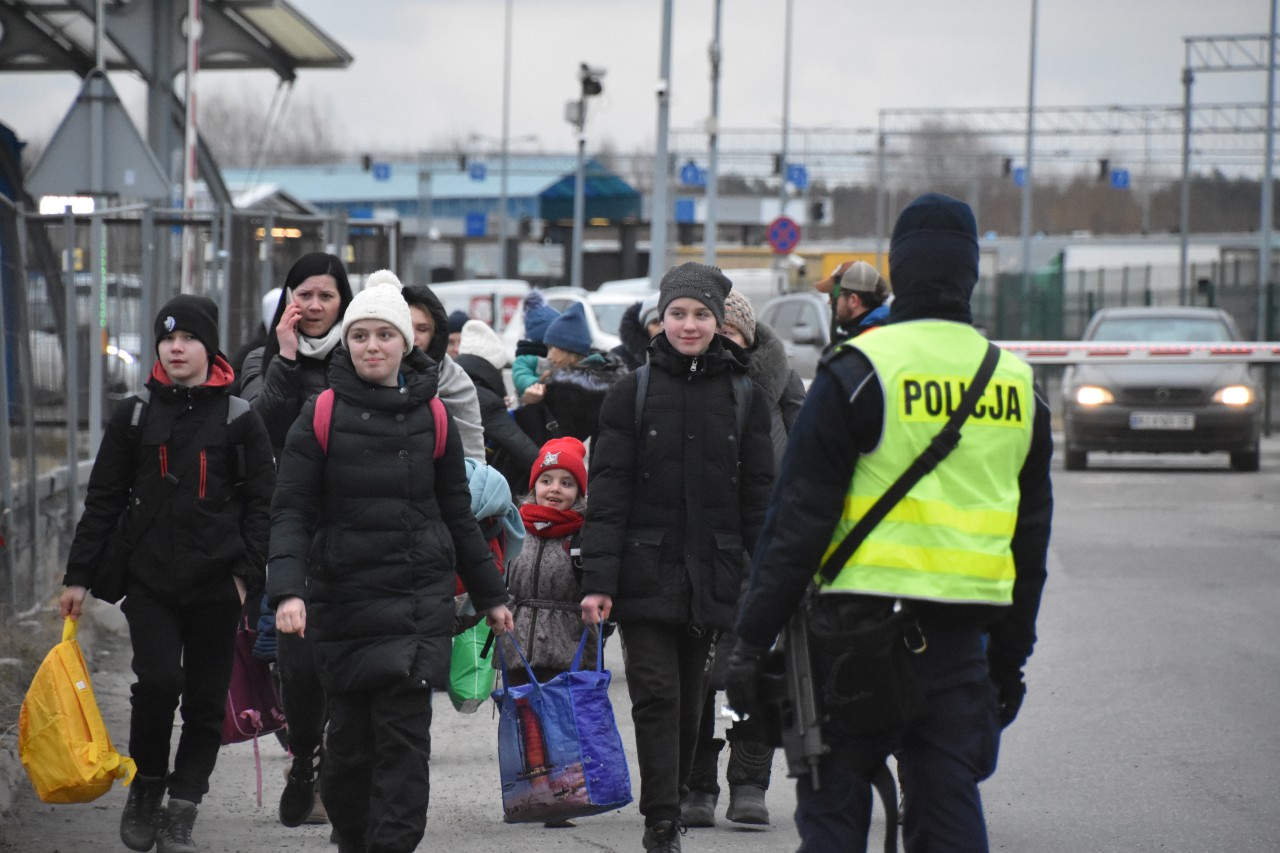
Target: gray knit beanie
(697,281)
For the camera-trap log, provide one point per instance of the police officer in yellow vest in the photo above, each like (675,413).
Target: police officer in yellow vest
(963,551)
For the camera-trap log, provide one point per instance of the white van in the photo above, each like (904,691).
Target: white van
(759,285)
(494,300)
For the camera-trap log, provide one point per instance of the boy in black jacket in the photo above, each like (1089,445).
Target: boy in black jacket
(192,467)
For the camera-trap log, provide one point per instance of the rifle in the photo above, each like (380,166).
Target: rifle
(787,688)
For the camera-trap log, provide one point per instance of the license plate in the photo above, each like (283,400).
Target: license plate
(1161,420)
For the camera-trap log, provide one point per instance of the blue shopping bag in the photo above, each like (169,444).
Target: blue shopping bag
(559,751)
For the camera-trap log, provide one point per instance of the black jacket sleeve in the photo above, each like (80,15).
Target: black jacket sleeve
(110,484)
(276,395)
(822,451)
(256,494)
(501,431)
(791,400)
(1013,636)
(756,466)
(295,510)
(613,459)
(474,561)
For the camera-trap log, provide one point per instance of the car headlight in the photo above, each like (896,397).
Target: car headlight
(1093,395)
(1234,395)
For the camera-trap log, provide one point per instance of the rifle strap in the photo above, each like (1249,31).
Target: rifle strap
(939,448)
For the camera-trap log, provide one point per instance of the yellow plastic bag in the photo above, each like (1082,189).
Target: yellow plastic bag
(62,740)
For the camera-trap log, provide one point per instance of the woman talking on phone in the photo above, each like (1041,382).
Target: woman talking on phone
(278,379)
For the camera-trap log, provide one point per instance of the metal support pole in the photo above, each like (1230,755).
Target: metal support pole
(97,329)
(786,111)
(6,445)
(1027,173)
(882,196)
(505,261)
(1265,225)
(422,247)
(1184,201)
(579,197)
(661,209)
(711,227)
(265,251)
(28,420)
(150,303)
(71,366)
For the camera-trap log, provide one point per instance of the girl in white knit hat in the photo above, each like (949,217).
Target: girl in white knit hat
(367,528)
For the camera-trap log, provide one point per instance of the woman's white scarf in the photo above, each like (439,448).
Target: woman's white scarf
(319,348)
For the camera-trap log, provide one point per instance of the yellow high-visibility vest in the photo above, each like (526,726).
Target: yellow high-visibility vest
(949,538)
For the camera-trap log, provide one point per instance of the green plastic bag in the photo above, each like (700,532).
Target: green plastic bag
(471,675)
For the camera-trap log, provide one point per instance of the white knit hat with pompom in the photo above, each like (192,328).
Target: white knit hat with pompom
(381,300)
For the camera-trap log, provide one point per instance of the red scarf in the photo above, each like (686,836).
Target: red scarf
(549,522)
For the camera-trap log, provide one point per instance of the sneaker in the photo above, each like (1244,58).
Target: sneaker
(298,800)
(176,821)
(141,815)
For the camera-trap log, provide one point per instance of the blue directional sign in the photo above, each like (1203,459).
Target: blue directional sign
(382,171)
(476,223)
(686,211)
(1120,179)
(784,234)
(797,176)
(691,175)
(1019,176)
(477,171)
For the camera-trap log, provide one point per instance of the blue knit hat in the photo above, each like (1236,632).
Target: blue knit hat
(538,315)
(457,319)
(569,331)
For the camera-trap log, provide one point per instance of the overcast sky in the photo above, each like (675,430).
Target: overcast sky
(427,73)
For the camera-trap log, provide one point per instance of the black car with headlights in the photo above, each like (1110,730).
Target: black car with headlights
(1162,407)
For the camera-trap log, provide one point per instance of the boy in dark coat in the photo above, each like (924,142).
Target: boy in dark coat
(365,537)
(677,499)
(192,561)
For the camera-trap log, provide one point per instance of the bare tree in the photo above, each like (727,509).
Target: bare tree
(242,131)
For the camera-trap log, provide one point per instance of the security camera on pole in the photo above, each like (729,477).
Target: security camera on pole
(576,113)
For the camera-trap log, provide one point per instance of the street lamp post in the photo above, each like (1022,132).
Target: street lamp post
(589,78)
(505,260)
(1027,173)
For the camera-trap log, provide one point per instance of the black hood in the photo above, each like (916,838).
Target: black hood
(422,296)
(933,260)
(482,373)
(635,340)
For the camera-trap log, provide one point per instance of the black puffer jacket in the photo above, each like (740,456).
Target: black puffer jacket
(278,394)
(676,502)
(513,451)
(769,368)
(207,528)
(369,533)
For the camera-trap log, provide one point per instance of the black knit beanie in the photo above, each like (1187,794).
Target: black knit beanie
(197,315)
(934,244)
(697,281)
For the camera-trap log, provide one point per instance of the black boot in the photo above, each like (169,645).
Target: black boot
(663,837)
(176,820)
(298,799)
(750,763)
(142,812)
(698,806)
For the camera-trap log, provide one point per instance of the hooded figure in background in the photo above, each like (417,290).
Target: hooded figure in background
(482,355)
(635,340)
(431,327)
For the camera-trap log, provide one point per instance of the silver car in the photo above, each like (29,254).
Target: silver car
(802,321)
(1162,407)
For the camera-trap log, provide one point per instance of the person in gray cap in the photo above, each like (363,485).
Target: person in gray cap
(920,624)
(859,298)
(680,476)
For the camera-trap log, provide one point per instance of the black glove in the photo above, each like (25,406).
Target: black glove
(742,676)
(1010,691)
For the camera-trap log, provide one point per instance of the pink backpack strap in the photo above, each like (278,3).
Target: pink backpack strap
(321,418)
(441,418)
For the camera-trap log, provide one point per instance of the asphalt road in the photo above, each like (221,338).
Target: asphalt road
(1152,721)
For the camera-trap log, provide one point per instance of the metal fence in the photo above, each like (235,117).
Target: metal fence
(104,276)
